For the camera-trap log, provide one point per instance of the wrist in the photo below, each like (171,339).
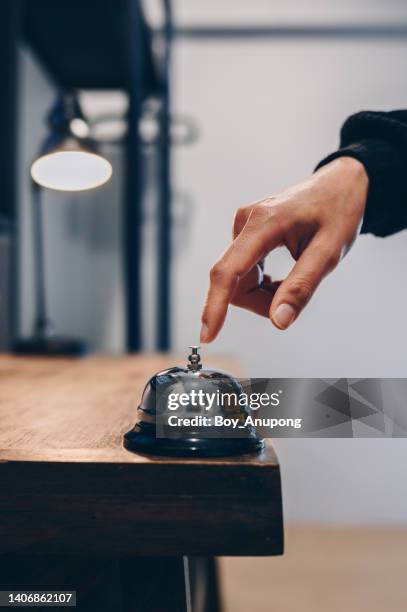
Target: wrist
(352,176)
(351,180)
(354,170)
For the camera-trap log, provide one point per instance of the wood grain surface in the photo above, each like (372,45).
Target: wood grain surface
(68,485)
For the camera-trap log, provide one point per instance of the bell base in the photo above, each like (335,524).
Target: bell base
(140,442)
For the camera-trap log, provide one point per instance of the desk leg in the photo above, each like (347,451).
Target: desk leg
(155,584)
(95,579)
(204,581)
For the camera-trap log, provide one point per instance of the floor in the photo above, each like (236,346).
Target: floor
(324,569)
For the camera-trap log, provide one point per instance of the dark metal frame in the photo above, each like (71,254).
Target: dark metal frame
(9,38)
(163,341)
(135,187)
(10,12)
(132,218)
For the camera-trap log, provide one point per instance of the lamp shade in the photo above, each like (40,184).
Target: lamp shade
(69,161)
(71,170)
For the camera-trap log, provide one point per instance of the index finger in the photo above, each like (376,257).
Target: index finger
(260,235)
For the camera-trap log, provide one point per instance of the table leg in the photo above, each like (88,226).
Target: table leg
(205,594)
(155,584)
(95,579)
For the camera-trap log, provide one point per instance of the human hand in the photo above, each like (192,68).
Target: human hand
(317,220)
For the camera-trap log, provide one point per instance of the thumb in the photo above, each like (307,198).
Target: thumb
(296,290)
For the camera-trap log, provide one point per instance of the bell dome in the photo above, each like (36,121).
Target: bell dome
(188,411)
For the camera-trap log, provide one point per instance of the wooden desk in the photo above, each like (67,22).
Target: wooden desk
(67,485)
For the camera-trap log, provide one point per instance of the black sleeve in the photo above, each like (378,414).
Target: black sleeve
(379,141)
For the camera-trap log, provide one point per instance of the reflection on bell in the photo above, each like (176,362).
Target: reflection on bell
(180,410)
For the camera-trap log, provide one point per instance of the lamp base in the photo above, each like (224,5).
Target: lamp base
(53,346)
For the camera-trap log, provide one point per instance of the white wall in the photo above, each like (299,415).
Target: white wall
(268,112)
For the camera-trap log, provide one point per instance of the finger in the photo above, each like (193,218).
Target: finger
(294,293)
(255,240)
(258,300)
(270,285)
(252,280)
(241,217)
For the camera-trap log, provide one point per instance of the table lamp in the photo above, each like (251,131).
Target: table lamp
(68,161)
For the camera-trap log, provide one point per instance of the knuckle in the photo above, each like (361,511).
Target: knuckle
(331,256)
(333,260)
(240,220)
(218,273)
(301,290)
(260,212)
(270,214)
(240,215)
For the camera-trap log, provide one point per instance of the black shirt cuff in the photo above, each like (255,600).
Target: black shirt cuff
(379,141)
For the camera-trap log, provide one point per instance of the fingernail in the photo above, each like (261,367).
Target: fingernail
(204,333)
(284,316)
